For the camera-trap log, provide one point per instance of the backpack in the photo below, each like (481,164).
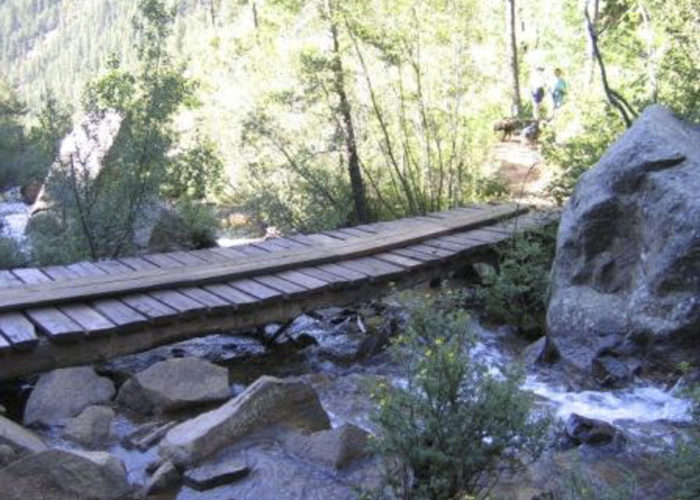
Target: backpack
(538,95)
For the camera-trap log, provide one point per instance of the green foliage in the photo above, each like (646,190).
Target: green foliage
(516,293)
(576,154)
(454,426)
(578,485)
(195,173)
(685,458)
(10,254)
(199,223)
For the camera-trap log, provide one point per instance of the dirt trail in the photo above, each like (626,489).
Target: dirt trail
(522,167)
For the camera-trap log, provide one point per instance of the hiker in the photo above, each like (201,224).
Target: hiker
(559,89)
(538,91)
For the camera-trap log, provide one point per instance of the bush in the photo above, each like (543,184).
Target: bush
(685,459)
(455,426)
(10,254)
(516,294)
(199,223)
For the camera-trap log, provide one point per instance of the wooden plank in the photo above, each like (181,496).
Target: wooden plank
(351,231)
(113,267)
(89,319)
(178,301)
(232,295)
(410,232)
(286,243)
(304,280)
(211,255)
(138,264)
(366,228)
(211,301)
(345,273)
(339,235)
(228,253)
(186,258)
(254,289)
(57,273)
(437,252)
(376,268)
(31,276)
(86,269)
(444,245)
(412,253)
(284,286)
(333,280)
(119,313)
(399,260)
(268,246)
(18,330)
(148,306)
(250,250)
(56,325)
(322,239)
(9,279)
(162,260)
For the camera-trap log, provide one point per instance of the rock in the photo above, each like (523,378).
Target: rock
(84,149)
(3,411)
(267,402)
(161,228)
(31,191)
(65,475)
(18,438)
(92,427)
(335,448)
(7,455)
(175,384)
(166,478)
(541,351)
(591,431)
(64,393)
(219,349)
(206,477)
(626,276)
(611,372)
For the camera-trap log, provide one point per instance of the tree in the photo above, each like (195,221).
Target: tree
(513,56)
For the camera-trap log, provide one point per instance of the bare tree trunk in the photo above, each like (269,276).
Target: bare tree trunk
(256,22)
(212,12)
(513,54)
(358,188)
(595,4)
(614,98)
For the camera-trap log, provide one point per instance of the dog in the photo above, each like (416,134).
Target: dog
(509,126)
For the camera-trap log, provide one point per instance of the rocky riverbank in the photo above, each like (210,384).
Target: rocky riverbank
(285,412)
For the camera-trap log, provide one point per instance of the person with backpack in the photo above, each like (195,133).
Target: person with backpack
(538,90)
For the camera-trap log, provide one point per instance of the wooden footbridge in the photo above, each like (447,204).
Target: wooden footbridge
(90,311)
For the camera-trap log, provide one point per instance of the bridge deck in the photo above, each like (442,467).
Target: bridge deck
(84,312)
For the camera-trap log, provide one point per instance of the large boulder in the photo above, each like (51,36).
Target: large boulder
(60,474)
(267,402)
(626,276)
(18,438)
(175,384)
(84,150)
(65,393)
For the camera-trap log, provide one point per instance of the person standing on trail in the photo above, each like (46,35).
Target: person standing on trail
(538,90)
(559,89)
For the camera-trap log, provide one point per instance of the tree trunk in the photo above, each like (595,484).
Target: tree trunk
(358,188)
(515,74)
(256,22)
(594,15)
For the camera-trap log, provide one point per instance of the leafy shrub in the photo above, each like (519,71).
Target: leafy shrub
(685,459)
(10,254)
(516,294)
(199,223)
(454,426)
